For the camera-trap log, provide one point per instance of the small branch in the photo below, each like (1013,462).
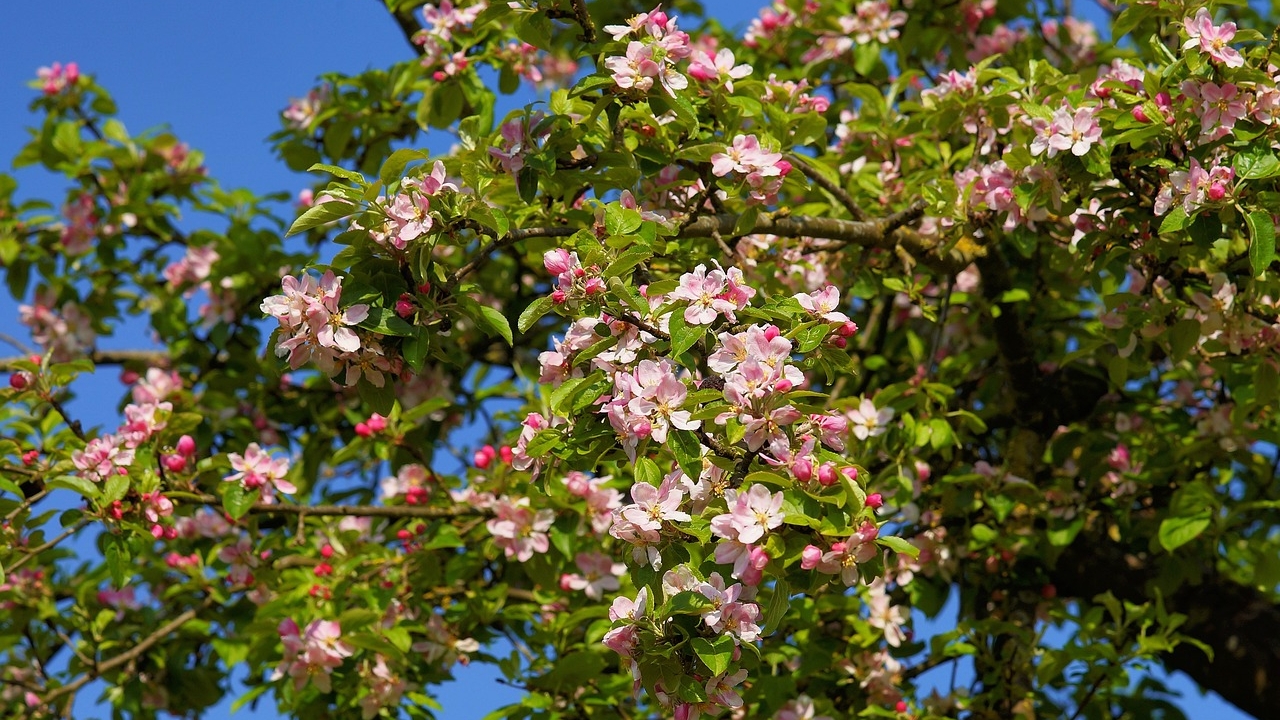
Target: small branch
(583,18)
(16,344)
(515,236)
(107,357)
(72,530)
(917,670)
(836,191)
(73,424)
(131,654)
(394,511)
(633,320)
(887,234)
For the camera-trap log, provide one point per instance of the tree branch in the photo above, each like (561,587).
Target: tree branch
(836,191)
(515,236)
(131,654)
(106,357)
(886,233)
(392,511)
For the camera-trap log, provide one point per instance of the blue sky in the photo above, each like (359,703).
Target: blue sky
(217,74)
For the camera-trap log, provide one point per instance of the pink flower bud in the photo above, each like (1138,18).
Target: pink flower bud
(595,286)
(424,288)
(558,297)
(850,472)
(579,272)
(874,501)
(1217,191)
(783,166)
(440,76)
(810,557)
(847,329)
(506,454)
(566,582)
(19,381)
(157,532)
(187,446)
(1139,115)
(362,429)
(377,423)
(827,474)
(658,18)
(326,552)
(783,385)
(175,463)
(558,261)
(839,342)
(802,469)
(29,457)
(481,459)
(128,377)
(404,306)
(771,332)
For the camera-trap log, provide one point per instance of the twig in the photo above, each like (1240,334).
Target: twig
(836,191)
(73,424)
(72,530)
(633,320)
(393,511)
(107,357)
(584,20)
(132,653)
(16,344)
(515,236)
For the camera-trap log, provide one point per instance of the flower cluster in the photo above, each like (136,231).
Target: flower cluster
(311,656)
(763,170)
(651,58)
(315,328)
(257,471)
(57,77)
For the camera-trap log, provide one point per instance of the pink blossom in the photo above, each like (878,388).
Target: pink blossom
(823,304)
(720,69)
(102,458)
(1215,41)
(1077,131)
(518,530)
(868,421)
(257,470)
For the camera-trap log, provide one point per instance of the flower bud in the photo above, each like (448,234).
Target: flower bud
(175,463)
(362,429)
(839,342)
(847,329)
(481,459)
(1216,191)
(506,454)
(771,332)
(129,377)
(802,469)
(376,423)
(558,297)
(827,474)
(19,380)
(850,472)
(326,552)
(558,261)
(810,557)
(186,446)
(1139,115)
(874,501)
(404,306)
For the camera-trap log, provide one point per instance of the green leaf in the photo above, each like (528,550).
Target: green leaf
(534,313)
(535,29)
(1183,336)
(683,335)
(236,500)
(116,551)
(393,167)
(687,449)
(1255,163)
(381,400)
(1175,221)
(341,172)
(543,442)
(621,221)
(115,488)
(321,214)
(647,472)
(716,654)
(74,482)
(811,337)
(776,612)
(898,545)
(415,349)
(1178,531)
(385,322)
(495,321)
(1262,241)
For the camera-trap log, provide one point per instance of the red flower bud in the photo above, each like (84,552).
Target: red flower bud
(326,552)
(19,380)
(874,501)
